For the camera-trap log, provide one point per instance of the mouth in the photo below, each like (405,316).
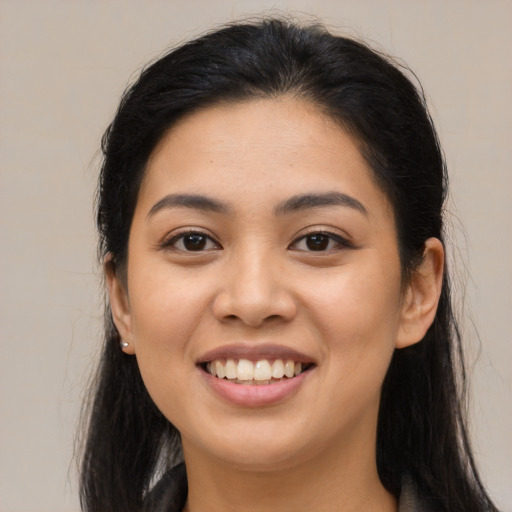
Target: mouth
(248,375)
(263,371)
(255,365)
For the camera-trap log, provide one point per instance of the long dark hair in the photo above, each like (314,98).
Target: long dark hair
(421,431)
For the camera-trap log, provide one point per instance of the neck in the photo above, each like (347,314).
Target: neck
(329,482)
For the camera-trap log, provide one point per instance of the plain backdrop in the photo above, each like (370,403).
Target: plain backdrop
(63,67)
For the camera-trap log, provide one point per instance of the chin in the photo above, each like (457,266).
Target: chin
(257,460)
(258,449)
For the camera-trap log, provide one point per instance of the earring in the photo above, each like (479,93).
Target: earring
(123,344)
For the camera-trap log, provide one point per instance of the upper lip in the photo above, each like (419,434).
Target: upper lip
(254,353)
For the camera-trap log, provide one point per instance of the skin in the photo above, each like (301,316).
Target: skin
(257,281)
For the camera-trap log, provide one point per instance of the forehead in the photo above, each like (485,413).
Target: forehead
(263,150)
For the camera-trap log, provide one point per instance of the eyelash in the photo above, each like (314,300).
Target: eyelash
(339,241)
(171,243)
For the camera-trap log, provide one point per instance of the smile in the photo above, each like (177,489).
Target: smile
(255,375)
(261,372)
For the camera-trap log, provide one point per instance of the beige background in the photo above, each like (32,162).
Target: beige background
(63,66)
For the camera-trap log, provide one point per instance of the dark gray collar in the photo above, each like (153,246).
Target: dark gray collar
(410,501)
(170,493)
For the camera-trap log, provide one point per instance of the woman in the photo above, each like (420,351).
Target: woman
(270,214)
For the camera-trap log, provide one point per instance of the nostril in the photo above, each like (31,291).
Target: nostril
(253,307)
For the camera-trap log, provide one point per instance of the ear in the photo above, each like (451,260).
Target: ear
(119,303)
(422,295)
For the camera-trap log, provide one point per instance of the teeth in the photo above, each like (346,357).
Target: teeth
(278,369)
(262,370)
(231,371)
(219,368)
(247,372)
(289,369)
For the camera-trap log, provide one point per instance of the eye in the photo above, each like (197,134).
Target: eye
(320,241)
(191,241)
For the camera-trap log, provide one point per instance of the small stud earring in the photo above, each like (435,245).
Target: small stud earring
(123,344)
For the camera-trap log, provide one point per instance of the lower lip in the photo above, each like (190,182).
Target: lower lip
(255,395)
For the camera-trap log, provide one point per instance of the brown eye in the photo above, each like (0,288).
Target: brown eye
(320,242)
(191,242)
(194,242)
(317,242)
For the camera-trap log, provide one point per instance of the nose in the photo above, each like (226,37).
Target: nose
(254,290)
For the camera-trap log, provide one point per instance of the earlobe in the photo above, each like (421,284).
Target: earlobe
(422,295)
(119,305)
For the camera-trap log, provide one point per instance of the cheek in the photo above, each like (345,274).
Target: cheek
(357,319)
(166,312)
(163,303)
(163,323)
(357,311)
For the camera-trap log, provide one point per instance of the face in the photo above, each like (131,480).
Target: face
(263,295)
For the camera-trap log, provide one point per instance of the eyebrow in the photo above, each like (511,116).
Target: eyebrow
(294,204)
(307,201)
(193,201)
